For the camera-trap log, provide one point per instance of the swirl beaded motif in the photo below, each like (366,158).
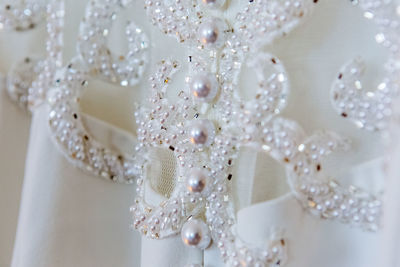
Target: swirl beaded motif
(371,110)
(206,149)
(75,142)
(28,80)
(65,120)
(92,45)
(20,79)
(54,60)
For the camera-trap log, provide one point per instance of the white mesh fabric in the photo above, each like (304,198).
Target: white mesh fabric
(162,171)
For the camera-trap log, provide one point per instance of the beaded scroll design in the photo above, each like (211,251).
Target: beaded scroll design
(209,123)
(371,110)
(28,80)
(34,79)
(125,70)
(96,61)
(76,143)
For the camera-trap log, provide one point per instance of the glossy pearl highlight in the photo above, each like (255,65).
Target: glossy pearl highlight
(195,233)
(204,86)
(202,132)
(211,32)
(196,181)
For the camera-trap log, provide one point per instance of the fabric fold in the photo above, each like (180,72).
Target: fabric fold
(14,133)
(306,235)
(70,218)
(168,252)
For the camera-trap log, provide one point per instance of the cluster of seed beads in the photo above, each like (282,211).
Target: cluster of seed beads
(230,61)
(263,21)
(268,101)
(21,15)
(220,212)
(125,70)
(258,24)
(170,126)
(174,18)
(371,110)
(21,77)
(161,125)
(251,121)
(270,98)
(282,139)
(215,160)
(327,198)
(28,80)
(274,137)
(53,61)
(386,15)
(154,221)
(322,196)
(221,215)
(75,142)
(234,252)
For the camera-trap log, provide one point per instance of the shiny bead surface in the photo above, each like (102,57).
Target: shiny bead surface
(195,233)
(202,132)
(204,86)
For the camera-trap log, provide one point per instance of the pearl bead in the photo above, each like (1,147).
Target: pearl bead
(202,132)
(195,233)
(196,181)
(213,3)
(204,86)
(210,32)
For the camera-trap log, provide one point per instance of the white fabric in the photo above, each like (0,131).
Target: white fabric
(312,242)
(14,132)
(14,135)
(69,218)
(167,252)
(390,240)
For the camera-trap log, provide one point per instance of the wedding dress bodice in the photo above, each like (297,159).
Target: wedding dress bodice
(122,125)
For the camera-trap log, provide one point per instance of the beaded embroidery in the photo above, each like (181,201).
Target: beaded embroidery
(75,142)
(209,123)
(21,15)
(371,110)
(94,29)
(65,120)
(32,80)
(28,80)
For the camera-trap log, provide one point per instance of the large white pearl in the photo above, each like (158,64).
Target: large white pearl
(213,3)
(204,86)
(196,181)
(195,233)
(211,32)
(202,132)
